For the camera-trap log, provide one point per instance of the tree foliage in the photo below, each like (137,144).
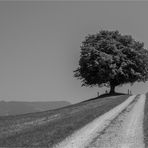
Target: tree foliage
(109,58)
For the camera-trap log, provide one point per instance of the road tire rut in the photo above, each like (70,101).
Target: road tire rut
(83,137)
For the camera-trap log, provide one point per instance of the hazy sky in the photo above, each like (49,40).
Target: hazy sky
(40,45)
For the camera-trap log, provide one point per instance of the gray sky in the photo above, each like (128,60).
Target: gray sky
(40,45)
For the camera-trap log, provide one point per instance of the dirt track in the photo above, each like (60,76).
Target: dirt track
(126,131)
(121,127)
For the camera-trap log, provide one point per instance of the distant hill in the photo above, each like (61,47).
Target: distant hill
(15,107)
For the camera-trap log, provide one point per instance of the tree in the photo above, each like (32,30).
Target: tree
(109,58)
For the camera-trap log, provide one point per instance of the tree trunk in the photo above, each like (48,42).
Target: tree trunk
(112,89)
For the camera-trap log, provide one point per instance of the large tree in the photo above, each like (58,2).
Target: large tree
(109,58)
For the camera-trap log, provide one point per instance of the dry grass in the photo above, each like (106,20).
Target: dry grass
(45,129)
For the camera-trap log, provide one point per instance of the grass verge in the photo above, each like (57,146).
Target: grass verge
(146,122)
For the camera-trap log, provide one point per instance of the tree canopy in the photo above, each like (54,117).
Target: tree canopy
(109,58)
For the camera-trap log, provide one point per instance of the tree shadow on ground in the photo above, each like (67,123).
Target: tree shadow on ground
(107,95)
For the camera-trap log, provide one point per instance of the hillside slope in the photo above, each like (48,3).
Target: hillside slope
(44,129)
(16,107)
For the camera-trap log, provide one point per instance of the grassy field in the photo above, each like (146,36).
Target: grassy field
(146,122)
(44,129)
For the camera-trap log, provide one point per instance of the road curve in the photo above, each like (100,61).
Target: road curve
(134,131)
(126,131)
(83,137)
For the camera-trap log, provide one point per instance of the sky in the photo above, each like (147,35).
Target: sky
(40,45)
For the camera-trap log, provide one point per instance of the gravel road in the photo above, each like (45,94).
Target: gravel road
(121,127)
(126,131)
